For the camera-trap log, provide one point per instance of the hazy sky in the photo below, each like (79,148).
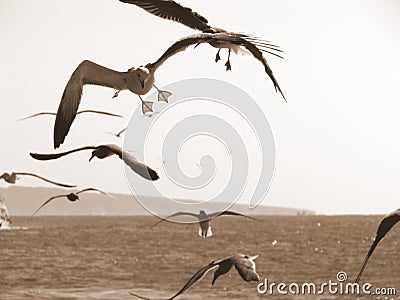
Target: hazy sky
(337,143)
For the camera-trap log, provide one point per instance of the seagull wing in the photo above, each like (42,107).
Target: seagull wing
(181,45)
(3,175)
(256,52)
(246,268)
(229,213)
(39,156)
(384,227)
(170,10)
(86,73)
(45,179)
(90,190)
(136,166)
(99,112)
(180,213)
(38,114)
(52,198)
(121,132)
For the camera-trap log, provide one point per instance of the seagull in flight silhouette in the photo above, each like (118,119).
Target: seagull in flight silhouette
(14,176)
(71,197)
(384,227)
(204,220)
(244,264)
(79,112)
(171,10)
(119,133)
(104,151)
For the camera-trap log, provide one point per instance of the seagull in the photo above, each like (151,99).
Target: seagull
(104,151)
(168,9)
(79,112)
(138,80)
(384,227)
(13,177)
(118,134)
(204,220)
(244,264)
(72,196)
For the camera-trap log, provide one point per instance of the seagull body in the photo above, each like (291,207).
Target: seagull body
(244,264)
(384,227)
(71,196)
(169,9)
(13,177)
(104,151)
(79,112)
(204,220)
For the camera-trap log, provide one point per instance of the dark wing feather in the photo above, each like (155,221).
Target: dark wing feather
(258,55)
(171,10)
(45,179)
(38,114)
(181,45)
(229,213)
(180,213)
(90,190)
(86,73)
(39,156)
(47,201)
(99,112)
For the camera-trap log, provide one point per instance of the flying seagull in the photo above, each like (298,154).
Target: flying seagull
(384,227)
(79,112)
(104,151)
(244,264)
(138,80)
(14,176)
(168,9)
(119,133)
(72,196)
(204,219)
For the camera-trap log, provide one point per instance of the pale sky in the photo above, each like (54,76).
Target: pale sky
(337,142)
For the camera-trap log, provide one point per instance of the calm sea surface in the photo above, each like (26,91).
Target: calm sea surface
(106,257)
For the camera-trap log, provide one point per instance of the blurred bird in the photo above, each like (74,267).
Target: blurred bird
(13,177)
(79,112)
(204,220)
(168,9)
(72,197)
(104,151)
(384,227)
(244,264)
(118,134)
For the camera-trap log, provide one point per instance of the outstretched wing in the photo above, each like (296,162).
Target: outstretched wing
(384,227)
(86,73)
(180,213)
(39,156)
(45,179)
(256,52)
(99,112)
(229,213)
(181,45)
(3,175)
(94,190)
(170,10)
(136,166)
(52,198)
(38,114)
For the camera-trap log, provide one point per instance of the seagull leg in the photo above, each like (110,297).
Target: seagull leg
(116,94)
(217,57)
(228,63)
(163,95)
(147,106)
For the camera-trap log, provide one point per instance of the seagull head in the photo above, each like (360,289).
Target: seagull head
(93,155)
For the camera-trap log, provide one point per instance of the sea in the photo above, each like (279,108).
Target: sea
(107,257)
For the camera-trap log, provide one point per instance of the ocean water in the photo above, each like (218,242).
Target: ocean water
(107,257)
